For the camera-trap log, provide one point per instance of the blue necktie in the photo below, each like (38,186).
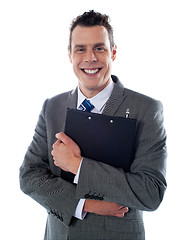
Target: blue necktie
(86,106)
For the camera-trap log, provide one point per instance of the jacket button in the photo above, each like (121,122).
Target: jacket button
(87,196)
(92,197)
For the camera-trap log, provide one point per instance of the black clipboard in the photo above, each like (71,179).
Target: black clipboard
(108,139)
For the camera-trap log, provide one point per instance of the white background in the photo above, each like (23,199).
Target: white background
(152,58)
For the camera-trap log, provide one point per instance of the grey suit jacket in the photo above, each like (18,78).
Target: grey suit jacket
(141,189)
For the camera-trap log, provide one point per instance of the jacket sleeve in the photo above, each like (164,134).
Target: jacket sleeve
(143,187)
(37,181)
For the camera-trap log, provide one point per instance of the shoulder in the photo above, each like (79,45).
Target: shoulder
(139,105)
(56,103)
(60,97)
(136,98)
(140,98)
(143,106)
(58,100)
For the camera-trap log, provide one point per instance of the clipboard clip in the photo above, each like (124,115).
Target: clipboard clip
(127,113)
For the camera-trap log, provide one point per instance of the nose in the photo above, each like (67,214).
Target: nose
(90,56)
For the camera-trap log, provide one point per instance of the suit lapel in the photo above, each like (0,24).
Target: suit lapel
(114,102)
(72,101)
(116,99)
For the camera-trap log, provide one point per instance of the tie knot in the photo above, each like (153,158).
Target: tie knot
(86,106)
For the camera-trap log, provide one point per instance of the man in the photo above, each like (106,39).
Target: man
(104,202)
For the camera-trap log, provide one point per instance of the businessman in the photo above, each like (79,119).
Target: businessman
(103,202)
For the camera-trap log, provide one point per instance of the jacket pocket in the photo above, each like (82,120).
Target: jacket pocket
(123,225)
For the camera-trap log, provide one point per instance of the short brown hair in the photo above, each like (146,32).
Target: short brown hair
(90,19)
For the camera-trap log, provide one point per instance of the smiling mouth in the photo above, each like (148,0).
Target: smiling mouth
(91,71)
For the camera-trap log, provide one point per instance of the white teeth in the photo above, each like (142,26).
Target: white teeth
(93,71)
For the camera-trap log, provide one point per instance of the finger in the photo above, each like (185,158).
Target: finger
(52,153)
(56,144)
(120,215)
(121,212)
(126,209)
(62,137)
(68,141)
(121,206)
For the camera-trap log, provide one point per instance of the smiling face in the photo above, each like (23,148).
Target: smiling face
(92,57)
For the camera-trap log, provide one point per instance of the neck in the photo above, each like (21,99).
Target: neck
(91,92)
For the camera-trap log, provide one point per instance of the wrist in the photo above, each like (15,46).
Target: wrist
(76,165)
(89,205)
(86,204)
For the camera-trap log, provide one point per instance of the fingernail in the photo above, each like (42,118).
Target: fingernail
(127,209)
(56,135)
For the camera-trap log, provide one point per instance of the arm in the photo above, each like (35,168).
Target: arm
(67,156)
(143,187)
(105,208)
(37,180)
(48,189)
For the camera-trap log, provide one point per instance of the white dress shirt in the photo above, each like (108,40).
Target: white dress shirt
(99,102)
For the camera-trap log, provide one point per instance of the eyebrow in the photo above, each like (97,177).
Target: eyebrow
(79,46)
(84,45)
(99,44)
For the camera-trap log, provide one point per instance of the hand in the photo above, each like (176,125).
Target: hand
(66,153)
(104,208)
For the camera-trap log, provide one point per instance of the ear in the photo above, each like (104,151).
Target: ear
(69,54)
(114,51)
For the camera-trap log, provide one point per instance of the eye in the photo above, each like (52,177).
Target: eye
(99,49)
(80,50)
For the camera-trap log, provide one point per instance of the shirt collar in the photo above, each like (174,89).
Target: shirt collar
(98,100)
